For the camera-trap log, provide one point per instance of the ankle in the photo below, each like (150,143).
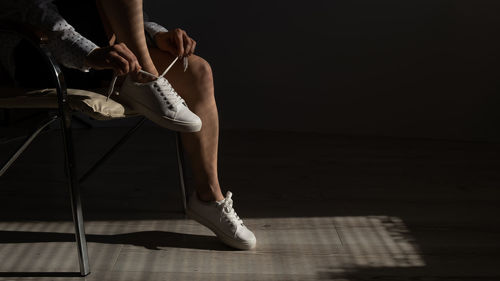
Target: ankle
(209,195)
(151,69)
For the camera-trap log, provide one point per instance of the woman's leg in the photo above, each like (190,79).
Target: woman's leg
(124,18)
(196,87)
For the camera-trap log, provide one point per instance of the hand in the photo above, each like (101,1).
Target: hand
(176,42)
(117,57)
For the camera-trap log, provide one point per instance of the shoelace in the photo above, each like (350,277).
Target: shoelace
(170,95)
(113,81)
(228,211)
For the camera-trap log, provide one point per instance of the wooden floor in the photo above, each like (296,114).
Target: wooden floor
(322,207)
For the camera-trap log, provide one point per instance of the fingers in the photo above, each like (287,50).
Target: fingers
(119,64)
(179,41)
(122,60)
(185,44)
(117,57)
(189,45)
(193,48)
(127,54)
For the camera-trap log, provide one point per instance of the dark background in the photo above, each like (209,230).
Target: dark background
(407,68)
(391,68)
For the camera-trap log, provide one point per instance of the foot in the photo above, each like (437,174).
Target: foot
(220,217)
(160,103)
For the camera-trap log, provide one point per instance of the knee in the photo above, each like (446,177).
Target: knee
(202,72)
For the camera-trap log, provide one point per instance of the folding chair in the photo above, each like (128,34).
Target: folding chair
(62,102)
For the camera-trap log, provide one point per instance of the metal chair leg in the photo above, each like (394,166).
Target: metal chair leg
(182,174)
(74,192)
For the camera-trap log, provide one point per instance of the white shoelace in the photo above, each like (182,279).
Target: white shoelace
(170,96)
(113,81)
(227,211)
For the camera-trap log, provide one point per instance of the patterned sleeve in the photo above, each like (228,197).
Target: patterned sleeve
(67,46)
(152,28)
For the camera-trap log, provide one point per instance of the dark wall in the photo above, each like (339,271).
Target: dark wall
(398,68)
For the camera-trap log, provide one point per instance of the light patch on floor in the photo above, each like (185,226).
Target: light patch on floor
(287,247)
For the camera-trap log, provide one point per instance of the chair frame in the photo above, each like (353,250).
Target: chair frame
(64,116)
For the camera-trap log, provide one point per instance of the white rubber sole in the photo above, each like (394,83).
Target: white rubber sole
(241,245)
(162,121)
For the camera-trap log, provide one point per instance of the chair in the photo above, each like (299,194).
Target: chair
(61,103)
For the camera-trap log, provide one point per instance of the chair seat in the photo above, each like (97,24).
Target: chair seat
(91,103)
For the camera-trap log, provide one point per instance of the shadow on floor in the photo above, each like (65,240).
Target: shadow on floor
(151,240)
(39,274)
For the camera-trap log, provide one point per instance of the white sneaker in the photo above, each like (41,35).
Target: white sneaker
(220,217)
(160,103)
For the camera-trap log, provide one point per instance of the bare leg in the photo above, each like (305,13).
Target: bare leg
(196,87)
(124,18)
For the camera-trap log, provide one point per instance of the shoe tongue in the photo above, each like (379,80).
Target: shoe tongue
(228,196)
